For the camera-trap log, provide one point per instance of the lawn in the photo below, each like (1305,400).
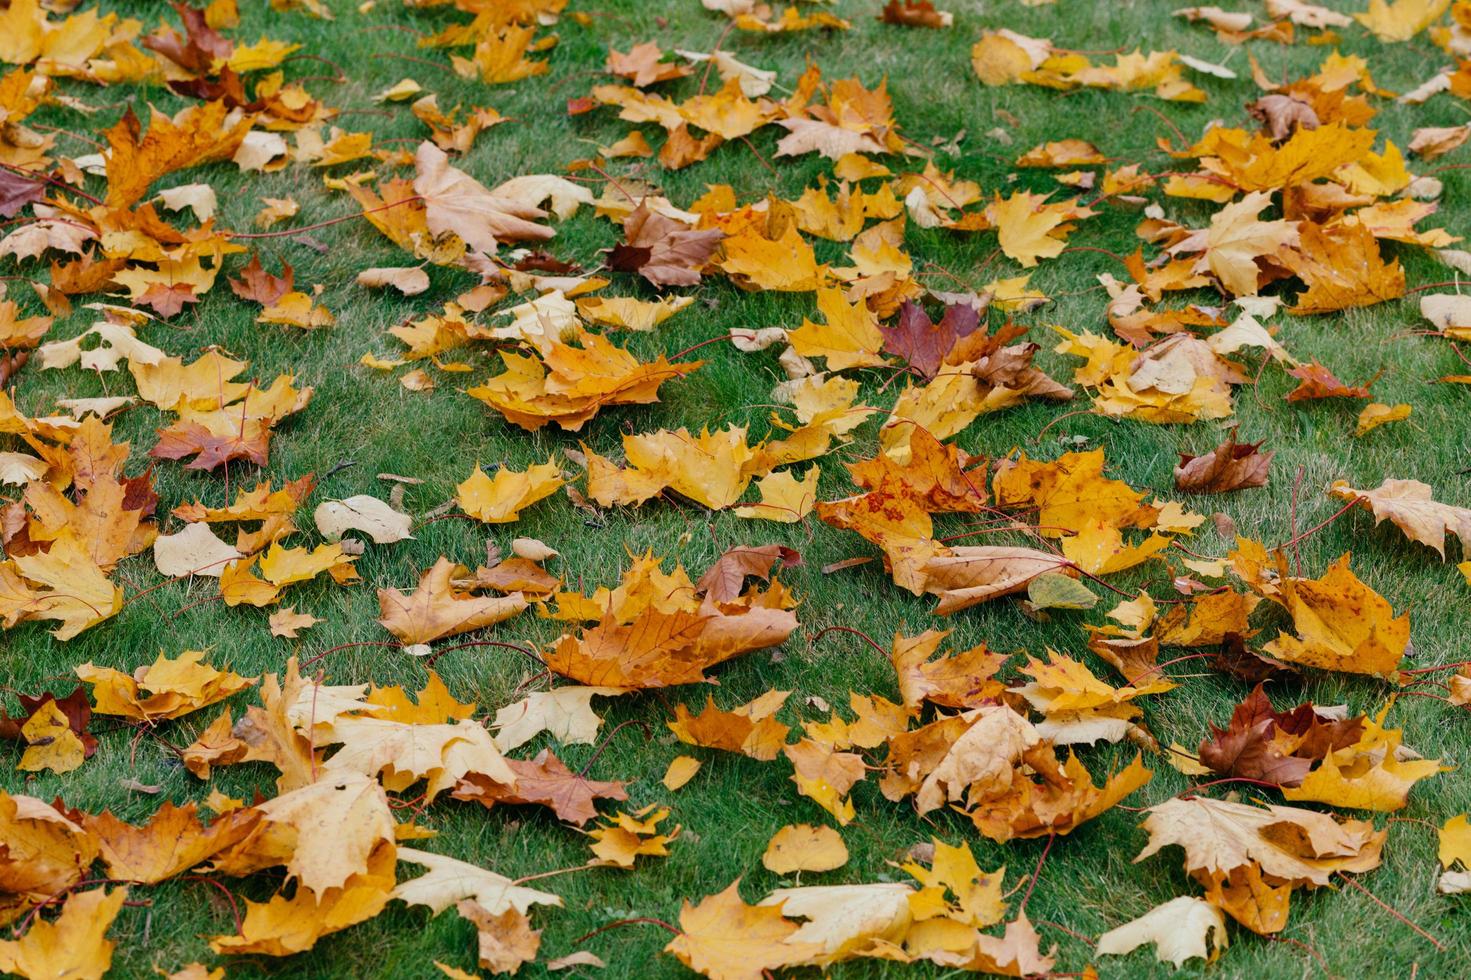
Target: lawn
(362,423)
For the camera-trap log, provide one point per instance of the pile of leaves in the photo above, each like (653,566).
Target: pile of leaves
(1291,205)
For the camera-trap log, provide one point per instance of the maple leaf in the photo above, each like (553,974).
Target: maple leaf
(1400,20)
(437,609)
(63,584)
(571,382)
(506,941)
(1342,267)
(924,343)
(1316,381)
(619,842)
(1181,929)
(663,250)
(400,753)
(643,65)
(749,729)
(170,843)
(954,887)
(48,852)
(285,926)
(915,13)
(75,709)
(196,50)
(1230,466)
(725,939)
(456,203)
(726,576)
(1276,747)
(1342,625)
(325,833)
(850,336)
(1029,229)
(1237,237)
(846,921)
(1374,773)
(564,712)
(17,191)
(1411,507)
(195,135)
(547,781)
(957,680)
(215,746)
(50,742)
(1250,858)
(803,847)
(75,945)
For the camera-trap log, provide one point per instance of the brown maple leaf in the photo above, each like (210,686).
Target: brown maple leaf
(1230,466)
(183,439)
(1283,114)
(922,341)
(1272,746)
(168,299)
(88,274)
(1245,664)
(17,191)
(197,49)
(662,250)
(1316,381)
(723,580)
(642,65)
(256,284)
(545,780)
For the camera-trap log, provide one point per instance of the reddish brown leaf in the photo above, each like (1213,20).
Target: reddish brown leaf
(544,780)
(75,706)
(255,283)
(662,250)
(167,299)
(723,580)
(1274,746)
(196,50)
(1319,382)
(914,13)
(17,191)
(923,342)
(1230,466)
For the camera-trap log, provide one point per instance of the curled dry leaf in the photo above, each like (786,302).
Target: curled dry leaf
(1230,466)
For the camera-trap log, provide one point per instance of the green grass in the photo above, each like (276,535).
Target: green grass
(734,805)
